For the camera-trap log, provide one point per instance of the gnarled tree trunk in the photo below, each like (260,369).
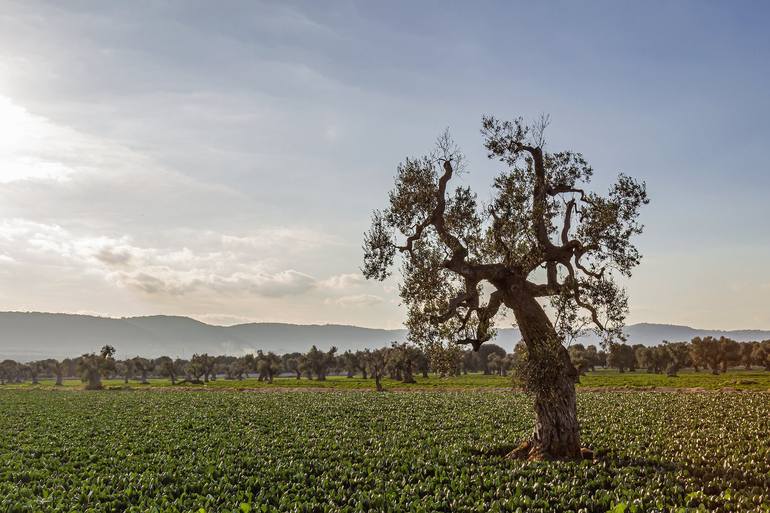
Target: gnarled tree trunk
(94,380)
(408,375)
(557,431)
(551,378)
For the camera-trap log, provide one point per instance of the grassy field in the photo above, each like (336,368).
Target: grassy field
(737,379)
(239,452)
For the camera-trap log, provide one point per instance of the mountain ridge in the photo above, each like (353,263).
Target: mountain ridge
(28,336)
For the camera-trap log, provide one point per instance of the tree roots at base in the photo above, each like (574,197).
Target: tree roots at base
(530,452)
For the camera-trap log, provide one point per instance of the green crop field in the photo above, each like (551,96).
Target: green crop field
(170,451)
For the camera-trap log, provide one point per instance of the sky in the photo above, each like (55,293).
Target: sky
(221,159)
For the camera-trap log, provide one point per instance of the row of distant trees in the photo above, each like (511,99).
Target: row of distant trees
(709,353)
(399,362)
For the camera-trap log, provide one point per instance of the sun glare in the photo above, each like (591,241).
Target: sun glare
(27,146)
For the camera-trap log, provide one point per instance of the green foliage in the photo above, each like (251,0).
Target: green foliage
(464,261)
(538,368)
(237,452)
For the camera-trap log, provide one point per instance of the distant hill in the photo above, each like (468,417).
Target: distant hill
(30,335)
(649,334)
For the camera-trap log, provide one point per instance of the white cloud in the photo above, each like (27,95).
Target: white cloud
(224,319)
(355,300)
(286,238)
(169,281)
(168,271)
(342,281)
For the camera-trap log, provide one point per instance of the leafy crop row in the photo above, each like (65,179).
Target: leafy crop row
(242,452)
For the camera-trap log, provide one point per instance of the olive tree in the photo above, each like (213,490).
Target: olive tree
(143,367)
(35,369)
(197,368)
(202,365)
(10,371)
(729,353)
(542,237)
(706,353)
(376,362)
(93,367)
(58,368)
(579,357)
(402,359)
(168,367)
(622,357)
(761,354)
(293,365)
(361,363)
(318,362)
(747,352)
(268,365)
(349,363)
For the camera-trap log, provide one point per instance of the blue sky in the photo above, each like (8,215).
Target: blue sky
(221,162)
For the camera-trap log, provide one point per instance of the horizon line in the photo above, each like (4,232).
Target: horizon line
(105,316)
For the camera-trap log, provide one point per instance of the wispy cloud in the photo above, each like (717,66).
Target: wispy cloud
(357,300)
(151,270)
(343,282)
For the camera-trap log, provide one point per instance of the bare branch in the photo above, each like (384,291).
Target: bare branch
(538,130)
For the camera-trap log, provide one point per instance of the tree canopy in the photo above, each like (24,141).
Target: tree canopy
(542,233)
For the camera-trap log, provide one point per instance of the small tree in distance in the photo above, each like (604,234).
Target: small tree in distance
(93,366)
(166,366)
(542,236)
(377,361)
(58,369)
(317,363)
(761,354)
(706,353)
(622,357)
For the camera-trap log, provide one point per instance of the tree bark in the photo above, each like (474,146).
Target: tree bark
(408,376)
(94,380)
(557,431)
